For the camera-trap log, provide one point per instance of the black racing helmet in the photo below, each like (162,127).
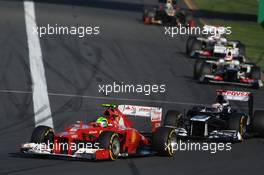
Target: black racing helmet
(220,99)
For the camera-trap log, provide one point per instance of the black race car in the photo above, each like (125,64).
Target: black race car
(219,122)
(170,15)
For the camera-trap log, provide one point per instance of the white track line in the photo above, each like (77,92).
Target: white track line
(41,103)
(113,98)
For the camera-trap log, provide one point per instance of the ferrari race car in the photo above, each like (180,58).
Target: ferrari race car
(228,70)
(221,122)
(108,138)
(213,43)
(167,14)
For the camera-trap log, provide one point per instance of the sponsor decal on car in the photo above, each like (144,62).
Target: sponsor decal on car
(155,113)
(235,95)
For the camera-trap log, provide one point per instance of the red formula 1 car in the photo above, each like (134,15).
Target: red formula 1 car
(109,137)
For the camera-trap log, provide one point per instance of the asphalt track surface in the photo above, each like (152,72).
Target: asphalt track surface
(125,51)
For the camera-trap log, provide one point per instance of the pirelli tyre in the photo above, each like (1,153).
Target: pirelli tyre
(256,73)
(197,68)
(238,122)
(196,45)
(42,134)
(206,69)
(110,141)
(242,49)
(173,119)
(258,122)
(189,44)
(182,18)
(164,140)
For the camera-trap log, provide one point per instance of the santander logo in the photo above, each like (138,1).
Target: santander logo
(236,93)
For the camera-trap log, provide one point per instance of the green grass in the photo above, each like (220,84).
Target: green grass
(229,6)
(250,33)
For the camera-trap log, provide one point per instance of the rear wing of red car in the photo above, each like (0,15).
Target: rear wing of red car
(153,113)
(238,96)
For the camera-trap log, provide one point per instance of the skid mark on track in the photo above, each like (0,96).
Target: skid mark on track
(133,167)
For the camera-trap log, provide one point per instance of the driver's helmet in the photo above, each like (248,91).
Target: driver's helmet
(229,56)
(217,107)
(169,5)
(110,114)
(220,99)
(102,121)
(221,103)
(217,35)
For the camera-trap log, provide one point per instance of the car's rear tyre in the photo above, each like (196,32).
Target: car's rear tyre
(172,119)
(197,68)
(242,49)
(256,73)
(110,141)
(42,134)
(164,140)
(189,44)
(238,122)
(196,45)
(206,69)
(182,18)
(258,122)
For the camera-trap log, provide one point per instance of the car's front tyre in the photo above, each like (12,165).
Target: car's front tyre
(164,140)
(42,134)
(110,141)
